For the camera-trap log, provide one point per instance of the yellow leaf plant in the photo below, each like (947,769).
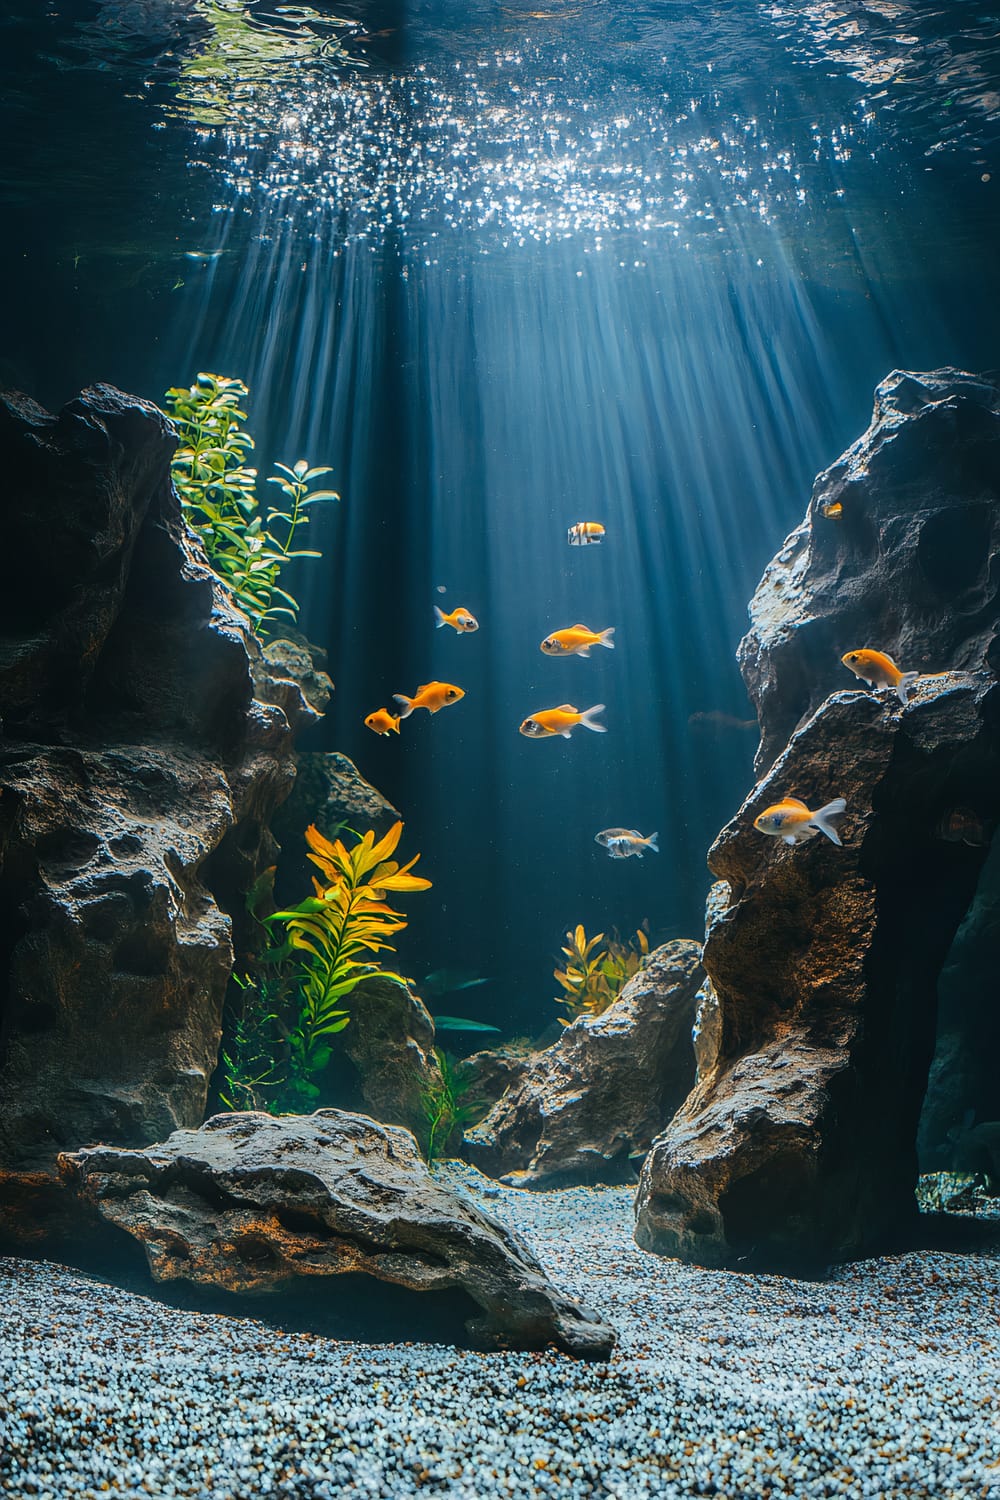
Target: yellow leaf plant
(331,934)
(594,977)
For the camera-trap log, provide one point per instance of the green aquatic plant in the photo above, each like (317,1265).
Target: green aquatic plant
(329,937)
(247,548)
(446,1106)
(251,1062)
(594,977)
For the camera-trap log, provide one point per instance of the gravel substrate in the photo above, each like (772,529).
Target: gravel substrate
(880,1382)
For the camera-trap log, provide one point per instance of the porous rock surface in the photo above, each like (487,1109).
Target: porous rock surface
(145,745)
(250,1202)
(798,1143)
(580,1109)
(389,1043)
(331,793)
(909,566)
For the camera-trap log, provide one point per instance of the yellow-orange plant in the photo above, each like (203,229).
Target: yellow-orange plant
(593,977)
(331,934)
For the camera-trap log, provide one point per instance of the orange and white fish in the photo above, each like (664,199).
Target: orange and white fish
(430,695)
(577,641)
(879,670)
(459,619)
(383,722)
(792,821)
(585,534)
(623,842)
(562,720)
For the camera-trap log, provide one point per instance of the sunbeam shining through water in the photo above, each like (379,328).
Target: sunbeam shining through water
(508,268)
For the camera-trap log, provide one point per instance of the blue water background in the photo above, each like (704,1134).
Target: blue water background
(505,268)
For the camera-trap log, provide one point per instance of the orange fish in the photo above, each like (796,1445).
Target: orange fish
(430,695)
(562,720)
(459,620)
(879,670)
(832,510)
(792,821)
(964,826)
(585,534)
(577,641)
(383,722)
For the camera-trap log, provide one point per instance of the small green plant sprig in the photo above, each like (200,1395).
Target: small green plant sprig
(218,493)
(329,937)
(251,1063)
(446,1106)
(594,977)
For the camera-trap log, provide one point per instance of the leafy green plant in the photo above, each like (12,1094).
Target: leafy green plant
(247,548)
(251,1061)
(594,977)
(446,1106)
(328,939)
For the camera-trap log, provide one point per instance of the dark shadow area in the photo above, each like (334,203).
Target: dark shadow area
(349,1307)
(955,1233)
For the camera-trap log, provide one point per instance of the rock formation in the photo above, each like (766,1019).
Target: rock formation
(145,745)
(390,1046)
(330,792)
(798,1143)
(579,1110)
(252,1203)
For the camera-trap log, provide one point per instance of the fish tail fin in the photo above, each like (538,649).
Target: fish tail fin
(651,842)
(821,819)
(605,638)
(904,685)
(407,708)
(439,618)
(588,721)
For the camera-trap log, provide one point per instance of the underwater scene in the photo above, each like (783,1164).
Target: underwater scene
(500,749)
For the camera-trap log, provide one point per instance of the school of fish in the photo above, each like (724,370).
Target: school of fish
(790,820)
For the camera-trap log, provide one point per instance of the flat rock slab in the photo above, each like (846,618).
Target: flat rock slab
(250,1202)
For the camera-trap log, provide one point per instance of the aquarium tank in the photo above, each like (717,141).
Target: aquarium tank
(500,749)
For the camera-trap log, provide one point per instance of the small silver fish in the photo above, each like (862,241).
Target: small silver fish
(623,842)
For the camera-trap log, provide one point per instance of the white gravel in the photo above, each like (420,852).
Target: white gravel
(882,1382)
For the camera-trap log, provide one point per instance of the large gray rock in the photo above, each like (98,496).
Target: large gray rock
(581,1108)
(254,1203)
(909,566)
(797,1144)
(144,748)
(390,1044)
(331,793)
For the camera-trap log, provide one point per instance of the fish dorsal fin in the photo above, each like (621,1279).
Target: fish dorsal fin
(424,687)
(566,708)
(578,626)
(790,801)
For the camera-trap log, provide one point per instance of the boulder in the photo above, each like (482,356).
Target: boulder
(908,566)
(145,746)
(582,1109)
(484,1077)
(389,1043)
(797,1145)
(291,657)
(331,793)
(250,1203)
